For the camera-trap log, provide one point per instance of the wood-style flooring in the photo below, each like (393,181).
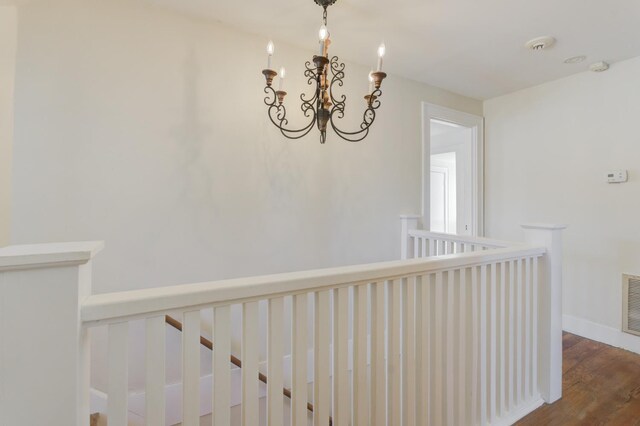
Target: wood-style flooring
(600,386)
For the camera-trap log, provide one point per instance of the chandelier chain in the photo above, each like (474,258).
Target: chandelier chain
(324,16)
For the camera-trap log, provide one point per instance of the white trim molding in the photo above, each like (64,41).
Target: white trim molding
(41,289)
(522,411)
(476,123)
(601,333)
(36,256)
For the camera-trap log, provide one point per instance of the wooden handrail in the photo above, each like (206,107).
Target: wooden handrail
(234,360)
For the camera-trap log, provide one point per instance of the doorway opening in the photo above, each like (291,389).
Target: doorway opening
(452,171)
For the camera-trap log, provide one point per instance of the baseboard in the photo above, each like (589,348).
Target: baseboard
(520,412)
(601,333)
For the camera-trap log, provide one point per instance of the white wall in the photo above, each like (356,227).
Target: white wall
(147,129)
(8,32)
(547,150)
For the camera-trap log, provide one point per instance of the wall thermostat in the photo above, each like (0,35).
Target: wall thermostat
(617,176)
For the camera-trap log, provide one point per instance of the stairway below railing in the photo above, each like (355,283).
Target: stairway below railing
(232,359)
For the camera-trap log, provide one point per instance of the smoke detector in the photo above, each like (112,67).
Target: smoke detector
(599,66)
(540,43)
(575,59)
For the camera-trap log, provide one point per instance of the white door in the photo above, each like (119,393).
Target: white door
(439,199)
(451,151)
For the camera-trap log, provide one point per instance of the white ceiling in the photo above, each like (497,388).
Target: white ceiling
(472,47)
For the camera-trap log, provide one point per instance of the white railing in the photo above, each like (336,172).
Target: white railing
(427,244)
(460,339)
(420,243)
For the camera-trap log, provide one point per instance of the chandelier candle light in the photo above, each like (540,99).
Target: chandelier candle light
(325,107)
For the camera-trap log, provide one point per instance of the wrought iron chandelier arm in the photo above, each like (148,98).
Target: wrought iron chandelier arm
(368,117)
(339,103)
(278,115)
(356,136)
(310,73)
(337,76)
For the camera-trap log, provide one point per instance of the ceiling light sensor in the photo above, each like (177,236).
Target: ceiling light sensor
(599,66)
(575,59)
(540,43)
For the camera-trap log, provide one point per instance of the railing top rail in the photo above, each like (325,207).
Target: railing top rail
(32,256)
(487,242)
(125,306)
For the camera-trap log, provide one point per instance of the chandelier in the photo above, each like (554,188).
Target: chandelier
(324,107)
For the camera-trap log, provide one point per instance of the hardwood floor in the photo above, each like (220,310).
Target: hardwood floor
(600,386)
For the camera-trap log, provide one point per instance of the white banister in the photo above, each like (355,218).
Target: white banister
(299,349)
(423,353)
(408,222)
(250,360)
(449,349)
(394,361)
(439,370)
(360,347)
(342,405)
(44,365)
(378,382)
(118,382)
(221,374)
(462,351)
(113,307)
(450,243)
(550,305)
(321,356)
(275,347)
(409,338)
(155,371)
(465,331)
(191,369)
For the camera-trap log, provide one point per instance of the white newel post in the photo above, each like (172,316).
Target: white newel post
(408,222)
(550,308)
(44,350)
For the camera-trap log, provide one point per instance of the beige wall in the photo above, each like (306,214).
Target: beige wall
(147,129)
(8,31)
(547,151)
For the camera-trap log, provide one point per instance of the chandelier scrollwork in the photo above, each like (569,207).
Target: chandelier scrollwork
(325,107)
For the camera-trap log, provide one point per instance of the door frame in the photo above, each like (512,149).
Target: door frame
(476,124)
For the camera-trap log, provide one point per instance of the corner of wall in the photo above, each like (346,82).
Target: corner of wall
(8,45)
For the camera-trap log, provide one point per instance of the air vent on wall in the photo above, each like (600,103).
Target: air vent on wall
(631,304)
